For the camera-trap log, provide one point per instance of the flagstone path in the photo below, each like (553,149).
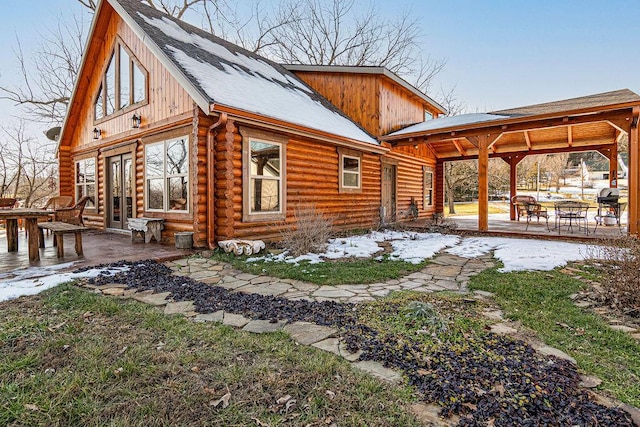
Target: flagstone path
(446,272)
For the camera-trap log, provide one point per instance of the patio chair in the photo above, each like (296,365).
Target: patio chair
(7,203)
(521,202)
(73,214)
(573,212)
(536,210)
(58,202)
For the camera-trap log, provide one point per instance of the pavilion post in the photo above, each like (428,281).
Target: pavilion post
(634,175)
(513,162)
(483,183)
(439,190)
(613,166)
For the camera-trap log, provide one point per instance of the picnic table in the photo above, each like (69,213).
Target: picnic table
(11,216)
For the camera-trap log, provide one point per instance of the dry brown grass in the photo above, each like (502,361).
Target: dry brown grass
(621,279)
(310,232)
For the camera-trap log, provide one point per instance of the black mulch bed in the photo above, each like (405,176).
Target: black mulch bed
(492,380)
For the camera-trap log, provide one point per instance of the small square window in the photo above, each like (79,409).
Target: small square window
(350,170)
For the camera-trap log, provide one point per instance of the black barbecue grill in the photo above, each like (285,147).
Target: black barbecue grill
(609,207)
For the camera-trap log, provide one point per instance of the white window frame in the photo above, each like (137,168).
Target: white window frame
(343,154)
(263,178)
(427,190)
(166,176)
(252,135)
(83,185)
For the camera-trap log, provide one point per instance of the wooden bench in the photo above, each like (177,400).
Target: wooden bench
(146,227)
(59,229)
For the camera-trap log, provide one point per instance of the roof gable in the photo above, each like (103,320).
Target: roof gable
(220,74)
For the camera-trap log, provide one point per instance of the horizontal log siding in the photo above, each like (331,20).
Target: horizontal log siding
(410,163)
(312,180)
(199,172)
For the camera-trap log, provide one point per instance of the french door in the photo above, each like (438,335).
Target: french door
(119,190)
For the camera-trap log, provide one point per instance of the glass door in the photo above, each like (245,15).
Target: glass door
(119,191)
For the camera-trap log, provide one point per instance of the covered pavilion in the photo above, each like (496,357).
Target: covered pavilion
(596,122)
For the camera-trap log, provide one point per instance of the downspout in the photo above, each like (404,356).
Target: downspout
(211,163)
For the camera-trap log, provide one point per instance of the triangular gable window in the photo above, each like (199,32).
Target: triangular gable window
(124,84)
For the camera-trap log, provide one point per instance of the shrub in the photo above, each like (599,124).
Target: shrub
(621,279)
(310,232)
(427,315)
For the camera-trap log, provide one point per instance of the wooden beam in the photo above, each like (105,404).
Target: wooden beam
(472,155)
(570,135)
(527,139)
(634,175)
(614,117)
(483,183)
(456,143)
(513,186)
(439,190)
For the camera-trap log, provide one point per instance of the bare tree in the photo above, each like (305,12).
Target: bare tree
(555,166)
(49,74)
(27,170)
(297,31)
(340,32)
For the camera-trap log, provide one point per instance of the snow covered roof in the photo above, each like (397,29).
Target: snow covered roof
(447,122)
(584,103)
(220,74)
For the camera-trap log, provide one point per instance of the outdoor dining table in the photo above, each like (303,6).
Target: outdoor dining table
(11,216)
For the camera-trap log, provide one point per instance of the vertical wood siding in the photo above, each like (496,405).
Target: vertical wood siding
(357,95)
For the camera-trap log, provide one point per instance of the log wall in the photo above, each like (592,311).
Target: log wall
(410,177)
(311,180)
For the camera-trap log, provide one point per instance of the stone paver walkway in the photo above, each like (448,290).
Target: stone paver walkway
(446,272)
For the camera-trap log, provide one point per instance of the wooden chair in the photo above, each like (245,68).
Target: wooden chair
(58,202)
(73,214)
(7,203)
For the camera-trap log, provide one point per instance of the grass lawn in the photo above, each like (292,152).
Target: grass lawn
(326,273)
(70,357)
(471,208)
(540,301)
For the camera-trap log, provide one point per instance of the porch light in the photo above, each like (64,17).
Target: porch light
(97,133)
(136,120)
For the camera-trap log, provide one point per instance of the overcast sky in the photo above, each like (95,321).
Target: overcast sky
(499,54)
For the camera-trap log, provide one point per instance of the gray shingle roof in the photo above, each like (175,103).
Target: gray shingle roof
(227,75)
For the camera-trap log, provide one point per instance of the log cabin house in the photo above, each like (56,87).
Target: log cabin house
(168,121)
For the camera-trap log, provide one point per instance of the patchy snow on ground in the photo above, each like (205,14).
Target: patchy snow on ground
(522,254)
(425,246)
(515,254)
(34,280)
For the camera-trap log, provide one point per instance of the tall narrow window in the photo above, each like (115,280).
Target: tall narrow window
(428,187)
(124,79)
(265,177)
(85,181)
(264,171)
(167,175)
(124,84)
(110,87)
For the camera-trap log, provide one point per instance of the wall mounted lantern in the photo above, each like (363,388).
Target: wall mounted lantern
(136,120)
(97,133)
